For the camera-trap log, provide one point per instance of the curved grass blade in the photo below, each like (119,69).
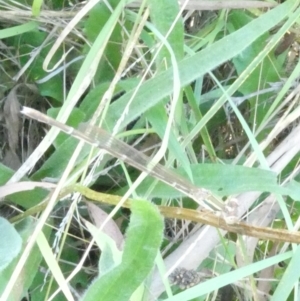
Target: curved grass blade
(144,237)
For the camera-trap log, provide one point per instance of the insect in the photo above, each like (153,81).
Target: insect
(184,278)
(100,138)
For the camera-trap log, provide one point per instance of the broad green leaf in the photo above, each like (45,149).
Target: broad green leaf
(91,101)
(57,162)
(10,245)
(53,87)
(31,266)
(225,180)
(26,43)
(144,237)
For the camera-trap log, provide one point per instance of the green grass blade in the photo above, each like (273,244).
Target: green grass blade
(10,245)
(167,57)
(17,30)
(198,116)
(36,7)
(155,89)
(176,36)
(289,279)
(53,265)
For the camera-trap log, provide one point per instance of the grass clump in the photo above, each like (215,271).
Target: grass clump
(209,92)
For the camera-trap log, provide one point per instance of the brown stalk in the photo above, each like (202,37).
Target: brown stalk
(199,216)
(203,216)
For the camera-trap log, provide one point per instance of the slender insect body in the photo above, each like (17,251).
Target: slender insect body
(99,138)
